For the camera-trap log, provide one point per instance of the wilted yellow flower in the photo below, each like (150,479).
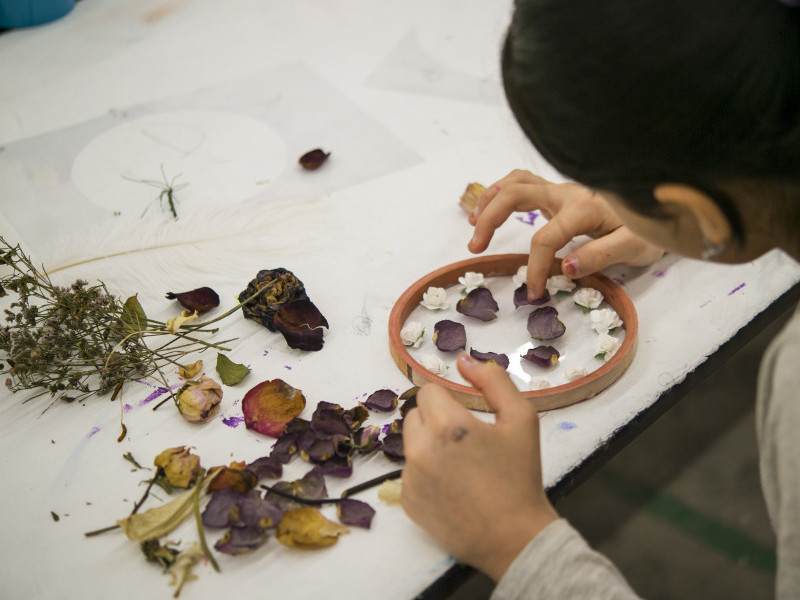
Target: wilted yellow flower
(180,466)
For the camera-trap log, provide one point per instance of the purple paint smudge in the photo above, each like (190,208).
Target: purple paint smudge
(265,352)
(529,218)
(287,367)
(232,421)
(566,425)
(659,273)
(92,431)
(159,392)
(126,408)
(736,289)
(618,280)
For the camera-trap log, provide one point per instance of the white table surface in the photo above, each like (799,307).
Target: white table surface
(406,96)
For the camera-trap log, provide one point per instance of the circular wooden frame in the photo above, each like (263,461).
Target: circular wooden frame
(507,264)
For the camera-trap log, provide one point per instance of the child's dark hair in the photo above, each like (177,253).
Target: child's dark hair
(622,95)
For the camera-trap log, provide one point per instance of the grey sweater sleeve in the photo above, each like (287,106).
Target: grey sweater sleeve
(778,429)
(559,564)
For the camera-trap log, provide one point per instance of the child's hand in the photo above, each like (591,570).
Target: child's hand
(476,487)
(571,210)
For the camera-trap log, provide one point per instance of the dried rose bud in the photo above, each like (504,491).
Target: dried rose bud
(200,300)
(314,159)
(544,324)
(449,336)
(198,401)
(180,466)
(544,356)
(470,197)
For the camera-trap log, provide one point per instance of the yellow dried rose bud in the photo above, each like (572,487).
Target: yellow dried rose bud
(199,400)
(180,466)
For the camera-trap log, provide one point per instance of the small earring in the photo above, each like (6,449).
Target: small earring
(711,250)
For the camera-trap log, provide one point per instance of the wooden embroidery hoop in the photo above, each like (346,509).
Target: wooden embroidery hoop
(507,264)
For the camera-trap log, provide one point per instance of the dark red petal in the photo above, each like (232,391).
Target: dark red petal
(201,299)
(500,359)
(544,324)
(521,297)
(449,336)
(544,356)
(313,159)
(301,324)
(479,303)
(355,512)
(382,401)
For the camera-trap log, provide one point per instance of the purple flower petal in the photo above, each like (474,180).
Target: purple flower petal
(355,513)
(313,159)
(479,303)
(367,439)
(257,511)
(267,466)
(201,299)
(355,417)
(409,398)
(241,540)
(449,336)
(222,510)
(500,359)
(329,418)
(521,297)
(338,466)
(285,448)
(382,401)
(544,356)
(544,324)
(310,486)
(393,446)
(301,324)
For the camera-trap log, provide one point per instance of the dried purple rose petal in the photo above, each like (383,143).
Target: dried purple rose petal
(544,324)
(355,417)
(320,448)
(479,303)
(355,512)
(285,448)
(409,398)
(241,540)
(313,159)
(500,359)
(337,466)
(393,446)
(449,336)
(521,297)
(277,288)
(301,323)
(367,439)
(222,509)
(311,486)
(544,356)
(329,418)
(200,300)
(382,401)
(267,466)
(256,511)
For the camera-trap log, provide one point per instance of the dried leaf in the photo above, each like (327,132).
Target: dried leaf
(270,405)
(230,373)
(181,570)
(307,528)
(133,318)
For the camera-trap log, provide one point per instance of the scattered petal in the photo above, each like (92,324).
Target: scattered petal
(560,283)
(539,383)
(355,417)
(604,320)
(521,297)
(313,159)
(412,334)
(241,540)
(155,552)
(470,197)
(544,356)
(449,336)
(307,528)
(301,324)
(367,439)
(393,446)
(237,479)
(270,405)
(198,400)
(606,346)
(337,466)
(409,398)
(587,298)
(479,303)
(355,513)
(573,373)
(390,491)
(471,281)
(267,466)
(311,486)
(199,300)
(544,324)
(435,299)
(230,373)
(382,401)
(174,324)
(500,359)
(285,448)
(433,363)
(180,466)
(230,508)
(190,371)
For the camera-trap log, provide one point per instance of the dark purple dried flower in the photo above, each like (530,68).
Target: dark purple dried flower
(337,466)
(393,446)
(229,508)
(241,540)
(329,418)
(409,398)
(278,287)
(355,512)
(268,466)
(355,417)
(301,324)
(313,159)
(521,297)
(366,439)
(449,336)
(544,324)
(500,359)
(297,425)
(285,447)
(544,356)
(200,300)
(479,303)
(310,486)
(382,401)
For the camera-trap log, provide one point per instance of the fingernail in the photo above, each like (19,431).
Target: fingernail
(466,359)
(475,212)
(571,266)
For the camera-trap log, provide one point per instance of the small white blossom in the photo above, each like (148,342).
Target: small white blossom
(521,275)
(435,299)
(560,283)
(539,383)
(607,345)
(433,363)
(471,280)
(412,334)
(573,373)
(604,320)
(588,297)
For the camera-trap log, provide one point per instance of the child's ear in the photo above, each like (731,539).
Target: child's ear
(710,219)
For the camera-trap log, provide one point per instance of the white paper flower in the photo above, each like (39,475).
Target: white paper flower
(573,373)
(433,363)
(539,383)
(587,297)
(471,280)
(435,299)
(412,334)
(560,283)
(521,275)
(607,345)
(604,320)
